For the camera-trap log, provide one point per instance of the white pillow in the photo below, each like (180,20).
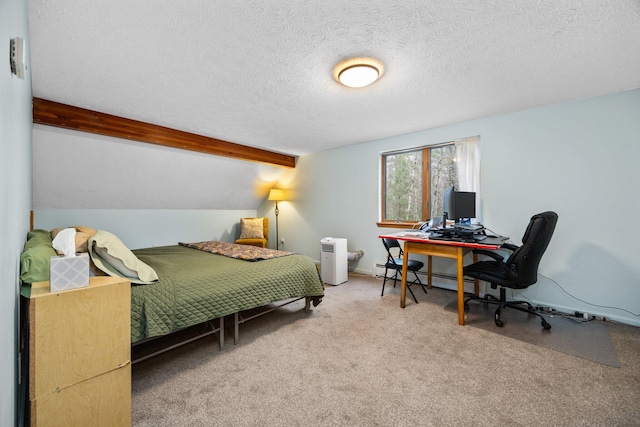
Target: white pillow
(114,262)
(110,255)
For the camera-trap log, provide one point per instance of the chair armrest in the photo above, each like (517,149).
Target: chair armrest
(509,246)
(499,261)
(490,254)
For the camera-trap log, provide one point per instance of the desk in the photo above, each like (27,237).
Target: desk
(421,244)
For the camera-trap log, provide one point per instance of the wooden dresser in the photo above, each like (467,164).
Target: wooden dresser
(79,347)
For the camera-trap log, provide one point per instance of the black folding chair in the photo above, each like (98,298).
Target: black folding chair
(395,263)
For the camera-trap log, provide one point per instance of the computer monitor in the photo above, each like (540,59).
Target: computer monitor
(448,206)
(465,202)
(459,205)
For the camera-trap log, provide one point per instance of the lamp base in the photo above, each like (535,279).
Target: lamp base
(277,211)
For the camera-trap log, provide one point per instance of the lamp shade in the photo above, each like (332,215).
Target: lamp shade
(276,194)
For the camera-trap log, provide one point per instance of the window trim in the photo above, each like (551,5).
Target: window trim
(403,225)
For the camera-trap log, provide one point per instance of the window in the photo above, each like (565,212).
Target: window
(414,180)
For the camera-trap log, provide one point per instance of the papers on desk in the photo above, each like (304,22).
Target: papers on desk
(417,234)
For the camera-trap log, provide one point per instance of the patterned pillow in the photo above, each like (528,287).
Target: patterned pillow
(251,228)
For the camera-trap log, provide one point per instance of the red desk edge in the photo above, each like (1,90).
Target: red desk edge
(474,245)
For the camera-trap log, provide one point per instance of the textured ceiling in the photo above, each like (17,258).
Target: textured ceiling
(259,72)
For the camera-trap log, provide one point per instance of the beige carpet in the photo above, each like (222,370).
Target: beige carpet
(358,359)
(588,340)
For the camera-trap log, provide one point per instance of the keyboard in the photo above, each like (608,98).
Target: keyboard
(447,238)
(468,227)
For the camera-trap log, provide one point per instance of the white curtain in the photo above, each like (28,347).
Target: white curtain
(468,164)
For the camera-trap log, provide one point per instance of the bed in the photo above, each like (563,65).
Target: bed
(196,283)
(196,286)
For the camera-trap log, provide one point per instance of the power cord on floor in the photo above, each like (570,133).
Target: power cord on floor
(577,317)
(586,302)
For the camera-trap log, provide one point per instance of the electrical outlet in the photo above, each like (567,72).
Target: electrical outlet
(282,241)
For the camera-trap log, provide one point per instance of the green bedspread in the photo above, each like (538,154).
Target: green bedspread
(196,286)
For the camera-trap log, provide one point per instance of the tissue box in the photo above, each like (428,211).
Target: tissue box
(69,272)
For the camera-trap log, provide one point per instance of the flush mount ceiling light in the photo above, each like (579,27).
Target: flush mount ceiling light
(358,72)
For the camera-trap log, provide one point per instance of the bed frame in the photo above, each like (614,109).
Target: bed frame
(238,319)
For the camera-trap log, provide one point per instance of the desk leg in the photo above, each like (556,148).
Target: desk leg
(476,282)
(429,261)
(460,288)
(403,286)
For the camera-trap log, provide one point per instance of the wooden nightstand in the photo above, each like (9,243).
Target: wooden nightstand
(80,354)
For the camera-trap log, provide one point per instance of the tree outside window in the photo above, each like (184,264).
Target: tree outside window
(443,173)
(414,182)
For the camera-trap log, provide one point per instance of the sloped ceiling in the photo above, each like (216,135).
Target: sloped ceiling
(259,72)
(85,171)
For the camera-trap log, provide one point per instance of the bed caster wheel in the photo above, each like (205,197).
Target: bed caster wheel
(546,325)
(499,322)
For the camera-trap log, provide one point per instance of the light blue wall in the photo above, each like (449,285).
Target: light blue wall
(15,196)
(141,228)
(579,159)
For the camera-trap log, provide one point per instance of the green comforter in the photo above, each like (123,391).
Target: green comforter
(196,286)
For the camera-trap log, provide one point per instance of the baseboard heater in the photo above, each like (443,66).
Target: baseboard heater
(380,268)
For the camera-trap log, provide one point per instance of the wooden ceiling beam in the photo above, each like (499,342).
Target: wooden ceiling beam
(52,113)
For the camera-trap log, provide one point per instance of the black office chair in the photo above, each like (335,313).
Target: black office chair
(395,263)
(519,271)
